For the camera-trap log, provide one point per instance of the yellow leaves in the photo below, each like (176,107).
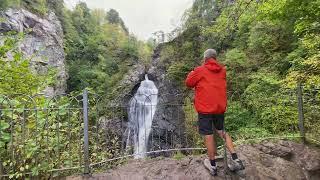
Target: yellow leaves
(31,124)
(313,80)
(272,8)
(291,80)
(314,63)
(311,42)
(309,74)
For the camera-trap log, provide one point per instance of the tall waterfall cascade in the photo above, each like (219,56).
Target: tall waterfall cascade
(142,108)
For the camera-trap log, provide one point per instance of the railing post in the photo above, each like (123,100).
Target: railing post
(85,133)
(225,156)
(300,111)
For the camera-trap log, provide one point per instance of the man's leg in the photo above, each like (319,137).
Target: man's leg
(219,125)
(211,146)
(226,137)
(206,129)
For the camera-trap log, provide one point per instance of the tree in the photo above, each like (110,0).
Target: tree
(114,18)
(57,6)
(99,49)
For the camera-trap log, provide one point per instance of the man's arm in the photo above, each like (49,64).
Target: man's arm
(193,78)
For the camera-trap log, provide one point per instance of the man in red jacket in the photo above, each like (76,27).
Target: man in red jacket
(209,82)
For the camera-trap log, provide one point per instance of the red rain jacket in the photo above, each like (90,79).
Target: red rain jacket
(209,81)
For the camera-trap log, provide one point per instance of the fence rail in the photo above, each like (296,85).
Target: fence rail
(52,136)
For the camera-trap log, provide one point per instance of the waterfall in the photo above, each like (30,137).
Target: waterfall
(141,111)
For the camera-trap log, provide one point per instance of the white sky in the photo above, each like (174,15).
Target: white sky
(143,17)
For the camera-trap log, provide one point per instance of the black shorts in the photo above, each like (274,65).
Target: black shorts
(208,122)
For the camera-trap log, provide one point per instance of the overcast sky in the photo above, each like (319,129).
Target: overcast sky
(143,17)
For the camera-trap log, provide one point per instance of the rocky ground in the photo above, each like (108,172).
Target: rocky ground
(283,160)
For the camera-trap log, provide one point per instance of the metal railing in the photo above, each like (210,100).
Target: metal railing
(77,134)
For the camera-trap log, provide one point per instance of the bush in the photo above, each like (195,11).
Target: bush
(16,76)
(236,59)
(193,136)
(237,117)
(177,72)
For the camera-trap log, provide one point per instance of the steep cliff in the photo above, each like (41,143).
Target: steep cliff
(168,125)
(42,43)
(169,119)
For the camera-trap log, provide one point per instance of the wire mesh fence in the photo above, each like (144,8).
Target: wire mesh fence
(311,113)
(56,136)
(39,134)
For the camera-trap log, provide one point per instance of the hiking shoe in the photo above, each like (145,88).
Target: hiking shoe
(236,165)
(213,169)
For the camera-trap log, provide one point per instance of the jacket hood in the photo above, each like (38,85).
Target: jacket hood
(213,65)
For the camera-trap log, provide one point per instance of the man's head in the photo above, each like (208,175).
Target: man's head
(210,53)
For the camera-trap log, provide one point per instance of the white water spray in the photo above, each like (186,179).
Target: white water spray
(141,112)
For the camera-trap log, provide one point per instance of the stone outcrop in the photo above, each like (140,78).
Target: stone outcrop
(283,160)
(129,85)
(43,42)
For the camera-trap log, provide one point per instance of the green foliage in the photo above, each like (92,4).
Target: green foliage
(237,116)
(203,12)
(99,49)
(178,155)
(193,137)
(181,55)
(22,131)
(38,140)
(37,6)
(16,75)
(9,3)
(178,71)
(267,47)
(41,134)
(236,59)
(113,17)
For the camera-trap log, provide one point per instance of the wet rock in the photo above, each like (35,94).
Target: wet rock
(169,117)
(168,122)
(128,85)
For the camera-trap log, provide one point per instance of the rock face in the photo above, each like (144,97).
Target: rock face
(169,119)
(283,160)
(129,85)
(117,123)
(43,42)
(168,122)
